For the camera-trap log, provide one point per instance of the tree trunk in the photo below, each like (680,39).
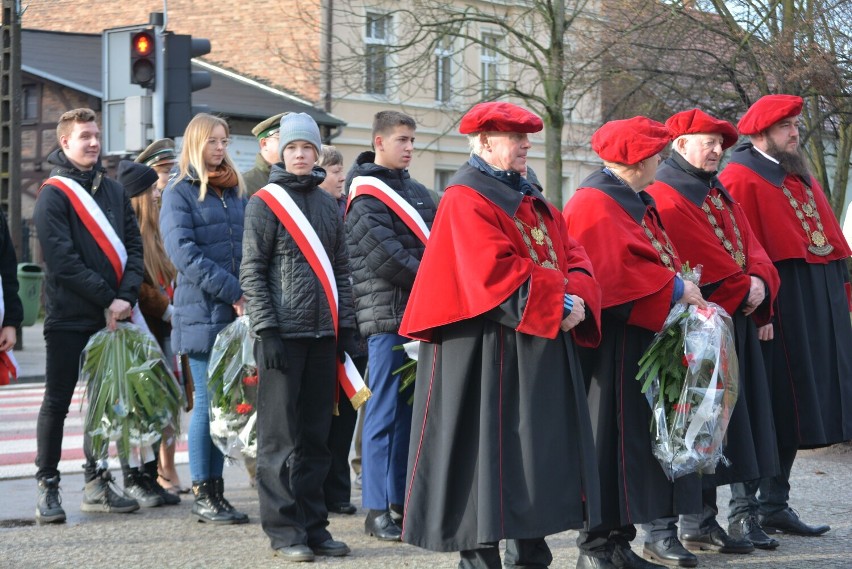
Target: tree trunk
(553,125)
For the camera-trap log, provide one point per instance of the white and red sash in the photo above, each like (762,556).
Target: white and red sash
(372,186)
(8,364)
(295,222)
(93,218)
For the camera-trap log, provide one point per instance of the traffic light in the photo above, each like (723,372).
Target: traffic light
(181,81)
(143,59)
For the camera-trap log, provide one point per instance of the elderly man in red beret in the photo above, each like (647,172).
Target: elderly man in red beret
(637,266)
(501,444)
(709,228)
(807,349)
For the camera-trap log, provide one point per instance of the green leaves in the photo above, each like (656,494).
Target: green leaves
(131,393)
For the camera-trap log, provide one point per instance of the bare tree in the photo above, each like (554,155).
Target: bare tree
(722,55)
(550,54)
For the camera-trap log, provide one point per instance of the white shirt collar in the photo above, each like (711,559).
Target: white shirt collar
(767,156)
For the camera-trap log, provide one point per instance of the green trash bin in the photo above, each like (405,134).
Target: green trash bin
(30,277)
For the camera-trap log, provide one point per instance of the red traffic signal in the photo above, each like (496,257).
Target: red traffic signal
(143,61)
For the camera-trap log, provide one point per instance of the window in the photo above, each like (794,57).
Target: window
(29,103)
(444,70)
(376,53)
(489,61)
(442,179)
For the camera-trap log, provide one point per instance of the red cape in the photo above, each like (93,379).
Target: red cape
(774,221)
(627,266)
(476,258)
(691,232)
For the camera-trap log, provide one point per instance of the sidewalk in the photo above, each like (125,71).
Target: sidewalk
(31,358)
(169,538)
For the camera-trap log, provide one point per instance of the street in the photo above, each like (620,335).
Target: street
(168,537)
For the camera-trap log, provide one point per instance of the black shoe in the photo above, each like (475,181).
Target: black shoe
(585,561)
(218,487)
(747,527)
(347,508)
(624,558)
(169,499)
(380,525)
(102,496)
(788,521)
(716,539)
(669,551)
(137,486)
(49,506)
(295,553)
(331,548)
(206,507)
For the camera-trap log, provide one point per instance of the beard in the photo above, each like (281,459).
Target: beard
(792,162)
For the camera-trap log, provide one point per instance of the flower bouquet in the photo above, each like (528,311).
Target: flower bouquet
(690,376)
(232,386)
(408,370)
(131,393)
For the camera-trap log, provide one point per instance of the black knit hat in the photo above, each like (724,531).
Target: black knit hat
(136,178)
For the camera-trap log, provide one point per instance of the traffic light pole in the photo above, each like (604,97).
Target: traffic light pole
(158,97)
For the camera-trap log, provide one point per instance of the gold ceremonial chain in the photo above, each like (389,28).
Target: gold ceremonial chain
(666,251)
(540,236)
(737,255)
(819,245)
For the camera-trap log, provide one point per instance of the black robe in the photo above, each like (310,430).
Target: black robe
(809,362)
(501,444)
(604,216)
(810,359)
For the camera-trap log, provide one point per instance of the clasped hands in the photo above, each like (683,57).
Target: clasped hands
(578,314)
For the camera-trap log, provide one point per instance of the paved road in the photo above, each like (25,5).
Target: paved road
(168,538)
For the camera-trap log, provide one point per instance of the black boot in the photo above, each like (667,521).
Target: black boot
(206,507)
(137,487)
(150,474)
(218,486)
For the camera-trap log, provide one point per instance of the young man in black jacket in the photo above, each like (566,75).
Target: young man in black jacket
(84,292)
(385,248)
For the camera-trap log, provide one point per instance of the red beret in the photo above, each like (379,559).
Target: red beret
(767,111)
(630,141)
(696,121)
(500,117)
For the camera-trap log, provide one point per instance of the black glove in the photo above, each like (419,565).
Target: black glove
(272,349)
(347,341)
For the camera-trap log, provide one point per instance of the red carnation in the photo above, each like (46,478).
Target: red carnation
(244,408)
(250,380)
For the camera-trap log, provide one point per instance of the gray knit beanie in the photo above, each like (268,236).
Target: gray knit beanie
(298,126)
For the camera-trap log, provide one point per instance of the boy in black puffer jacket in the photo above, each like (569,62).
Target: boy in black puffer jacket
(297,353)
(385,254)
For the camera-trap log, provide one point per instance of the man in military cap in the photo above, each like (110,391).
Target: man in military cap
(266,133)
(160,155)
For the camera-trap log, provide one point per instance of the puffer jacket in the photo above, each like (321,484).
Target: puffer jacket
(282,291)
(203,239)
(80,282)
(384,254)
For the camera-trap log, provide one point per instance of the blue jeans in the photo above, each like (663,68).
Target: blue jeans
(205,459)
(387,426)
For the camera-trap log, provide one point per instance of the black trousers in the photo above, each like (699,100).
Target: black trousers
(61,374)
(294,411)
(532,553)
(774,491)
(338,484)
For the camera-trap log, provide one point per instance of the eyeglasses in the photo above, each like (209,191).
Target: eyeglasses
(214,142)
